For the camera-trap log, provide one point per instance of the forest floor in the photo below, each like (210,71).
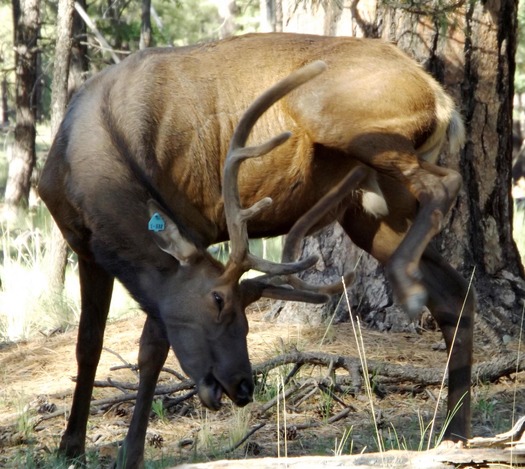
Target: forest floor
(36,380)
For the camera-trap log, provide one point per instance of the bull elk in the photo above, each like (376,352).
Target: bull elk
(149,137)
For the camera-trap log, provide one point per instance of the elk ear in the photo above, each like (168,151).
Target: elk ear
(168,236)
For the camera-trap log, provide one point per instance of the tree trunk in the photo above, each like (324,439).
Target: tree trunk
(226,9)
(470,48)
(26,20)
(59,85)
(57,254)
(80,8)
(145,25)
(78,64)
(5,105)
(271,14)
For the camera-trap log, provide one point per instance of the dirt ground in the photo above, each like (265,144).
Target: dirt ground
(36,380)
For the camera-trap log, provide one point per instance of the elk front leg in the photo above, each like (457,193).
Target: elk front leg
(453,306)
(154,347)
(96,287)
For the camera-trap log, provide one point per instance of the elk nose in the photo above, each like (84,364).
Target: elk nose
(244,392)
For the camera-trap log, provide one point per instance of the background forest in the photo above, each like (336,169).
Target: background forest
(475,48)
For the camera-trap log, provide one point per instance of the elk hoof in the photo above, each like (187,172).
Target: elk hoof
(407,287)
(72,449)
(414,302)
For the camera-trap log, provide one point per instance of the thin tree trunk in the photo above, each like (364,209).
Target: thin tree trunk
(226,10)
(59,85)
(100,38)
(26,19)
(267,9)
(57,254)
(79,62)
(278,16)
(5,105)
(145,26)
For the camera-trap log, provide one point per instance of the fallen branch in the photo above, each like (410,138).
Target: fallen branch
(503,450)
(384,373)
(279,397)
(160,390)
(334,418)
(133,368)
(302,426)
(244,438)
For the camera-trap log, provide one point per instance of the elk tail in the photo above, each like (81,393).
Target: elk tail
(456,132)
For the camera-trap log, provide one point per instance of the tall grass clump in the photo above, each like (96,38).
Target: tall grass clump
(25,306)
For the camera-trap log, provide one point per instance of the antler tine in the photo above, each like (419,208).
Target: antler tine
(236,216)
(300,229)
(290,287)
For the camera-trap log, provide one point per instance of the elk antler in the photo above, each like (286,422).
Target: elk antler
(304,291)
(302,227)
(237,217)
(279,276)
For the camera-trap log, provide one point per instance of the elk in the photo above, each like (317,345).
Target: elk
(150,137)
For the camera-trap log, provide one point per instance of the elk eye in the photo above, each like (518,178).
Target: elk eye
(218,300)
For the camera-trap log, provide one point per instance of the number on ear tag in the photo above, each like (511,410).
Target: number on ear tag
(156,223)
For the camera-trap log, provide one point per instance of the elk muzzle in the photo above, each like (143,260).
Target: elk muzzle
(238,388)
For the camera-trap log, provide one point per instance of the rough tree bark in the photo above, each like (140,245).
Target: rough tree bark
(26,20)
(470,48)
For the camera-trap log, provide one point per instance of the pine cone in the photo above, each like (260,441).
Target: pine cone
(252,449)
(325,410)
(156,440)
(46,408)
(121,412)
(290,433)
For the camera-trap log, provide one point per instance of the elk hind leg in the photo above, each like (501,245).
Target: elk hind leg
(154,347)
(435,189)
(448,295)
(452,305)
(96,287)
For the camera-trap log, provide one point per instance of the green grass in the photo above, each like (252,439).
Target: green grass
(32,458)
(158,409)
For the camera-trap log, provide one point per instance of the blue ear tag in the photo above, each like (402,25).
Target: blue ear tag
(156,223)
